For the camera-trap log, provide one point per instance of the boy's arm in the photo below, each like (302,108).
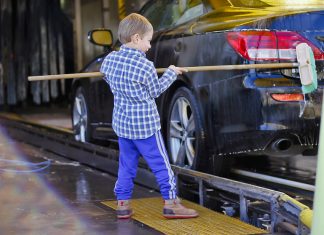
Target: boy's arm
(104,68)
(156,86)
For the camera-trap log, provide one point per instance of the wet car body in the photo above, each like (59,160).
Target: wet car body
(207,117)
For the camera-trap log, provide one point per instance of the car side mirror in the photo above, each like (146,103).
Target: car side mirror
(101,37)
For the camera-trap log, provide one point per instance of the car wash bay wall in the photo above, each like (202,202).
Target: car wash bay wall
(39,37)
(91,14)
(35,38)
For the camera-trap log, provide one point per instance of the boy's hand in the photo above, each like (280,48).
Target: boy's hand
(178,70)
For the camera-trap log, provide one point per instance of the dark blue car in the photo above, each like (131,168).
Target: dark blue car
(209,117)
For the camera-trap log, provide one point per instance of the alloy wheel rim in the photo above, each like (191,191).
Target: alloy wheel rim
(80,118)
(182,133)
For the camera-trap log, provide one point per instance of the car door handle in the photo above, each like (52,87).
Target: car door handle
(178,47)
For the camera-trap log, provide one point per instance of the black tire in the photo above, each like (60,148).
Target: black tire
(185,132)
(81,116)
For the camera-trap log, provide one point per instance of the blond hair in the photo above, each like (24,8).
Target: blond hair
(133,24)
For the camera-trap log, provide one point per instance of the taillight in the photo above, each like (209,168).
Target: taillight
(288,97)
(267,45)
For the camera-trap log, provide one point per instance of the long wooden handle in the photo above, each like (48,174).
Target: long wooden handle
(234,67)
(65,76)
(161,70)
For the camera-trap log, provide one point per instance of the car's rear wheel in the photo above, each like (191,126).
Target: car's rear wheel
(80,116)
(185,133)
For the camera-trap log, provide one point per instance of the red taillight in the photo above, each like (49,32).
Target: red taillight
(266,45)
(288,97)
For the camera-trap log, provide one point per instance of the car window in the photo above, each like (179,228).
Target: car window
(154,12)
(192,10)
(163,14)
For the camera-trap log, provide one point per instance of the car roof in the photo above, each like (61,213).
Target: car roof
(228,14)
(291,4)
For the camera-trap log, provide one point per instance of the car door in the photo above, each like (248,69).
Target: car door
(165,48)
(153,12)
(100,96)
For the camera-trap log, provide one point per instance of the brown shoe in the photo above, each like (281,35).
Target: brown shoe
(124,211)
(173,209)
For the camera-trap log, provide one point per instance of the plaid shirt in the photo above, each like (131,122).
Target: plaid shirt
(134,82)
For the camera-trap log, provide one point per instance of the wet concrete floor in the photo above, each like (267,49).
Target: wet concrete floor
(42,193)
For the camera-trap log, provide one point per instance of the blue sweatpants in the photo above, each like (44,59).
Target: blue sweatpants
(154,153)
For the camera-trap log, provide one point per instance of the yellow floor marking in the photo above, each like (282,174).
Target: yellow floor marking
(149,212)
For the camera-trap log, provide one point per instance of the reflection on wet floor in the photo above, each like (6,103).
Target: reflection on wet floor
(294,175)
(300,167)
(64,197)
(59,117)
(60,198)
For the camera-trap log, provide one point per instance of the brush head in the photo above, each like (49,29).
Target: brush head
(307,68)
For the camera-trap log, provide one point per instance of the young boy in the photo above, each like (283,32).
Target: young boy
(134,82)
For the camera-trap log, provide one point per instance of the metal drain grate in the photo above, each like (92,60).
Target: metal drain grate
(149,212)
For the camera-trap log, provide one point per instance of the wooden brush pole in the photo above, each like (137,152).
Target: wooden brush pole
(234,67)
(65,76)
(161,70)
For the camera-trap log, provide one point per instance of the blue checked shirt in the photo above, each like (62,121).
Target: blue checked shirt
(134,82)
